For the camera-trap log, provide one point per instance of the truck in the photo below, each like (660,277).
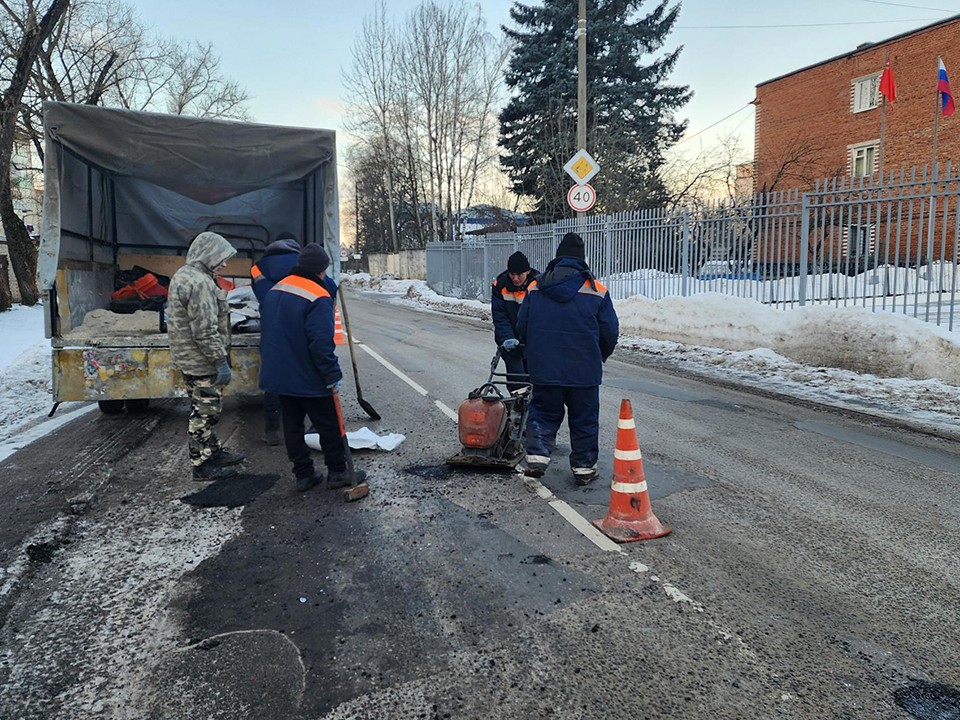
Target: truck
(127,191)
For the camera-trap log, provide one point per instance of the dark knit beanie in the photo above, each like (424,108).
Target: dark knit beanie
(313,259)
(571,246)
(518,263)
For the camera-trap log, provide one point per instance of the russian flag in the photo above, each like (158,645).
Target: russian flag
(943,87)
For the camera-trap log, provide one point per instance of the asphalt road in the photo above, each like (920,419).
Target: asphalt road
(812,571)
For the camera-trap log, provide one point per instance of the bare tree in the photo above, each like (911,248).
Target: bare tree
(96,52)
(709,173)
(798,162)
(25,27)
(372,82)
(195,85)
(439,122)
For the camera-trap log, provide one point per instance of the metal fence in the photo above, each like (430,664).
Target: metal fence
(889,245)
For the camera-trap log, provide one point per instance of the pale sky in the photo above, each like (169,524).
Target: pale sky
(289,54)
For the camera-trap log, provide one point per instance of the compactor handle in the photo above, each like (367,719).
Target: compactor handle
(487,391)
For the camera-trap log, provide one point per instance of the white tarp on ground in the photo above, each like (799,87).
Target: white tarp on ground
(363,439)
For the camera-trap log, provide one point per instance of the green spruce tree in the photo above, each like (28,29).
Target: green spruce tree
(630,105)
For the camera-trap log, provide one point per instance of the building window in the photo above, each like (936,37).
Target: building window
(864,158)
(859,240)
(866,93)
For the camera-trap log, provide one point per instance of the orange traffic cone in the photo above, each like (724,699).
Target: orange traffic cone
(338,337)
(630,516)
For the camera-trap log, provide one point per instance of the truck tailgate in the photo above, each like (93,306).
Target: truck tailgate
(128,368)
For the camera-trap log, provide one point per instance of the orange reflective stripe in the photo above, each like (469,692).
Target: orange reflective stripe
(588,290)
(516,297)
(255,273)
(301,286)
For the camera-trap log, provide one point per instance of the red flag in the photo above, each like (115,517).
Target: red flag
(888,87)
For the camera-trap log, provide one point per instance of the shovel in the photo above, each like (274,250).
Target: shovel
(356,490)
(367,407)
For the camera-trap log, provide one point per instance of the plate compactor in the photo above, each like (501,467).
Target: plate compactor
(492,420)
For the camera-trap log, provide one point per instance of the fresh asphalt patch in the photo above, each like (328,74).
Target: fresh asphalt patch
(662,480)
(232,492)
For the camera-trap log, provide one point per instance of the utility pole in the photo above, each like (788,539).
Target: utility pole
(581,167)
(582,88)
(582,77)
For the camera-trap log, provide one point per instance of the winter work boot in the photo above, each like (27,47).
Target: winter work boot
(210,470)
(585,475)
(305,483)
(272,433)
(342,479)
(535,468)
(225,458)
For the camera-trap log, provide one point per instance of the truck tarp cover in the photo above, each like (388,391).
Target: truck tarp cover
(170,174)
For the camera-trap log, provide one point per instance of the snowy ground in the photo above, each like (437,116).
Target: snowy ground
(882,363)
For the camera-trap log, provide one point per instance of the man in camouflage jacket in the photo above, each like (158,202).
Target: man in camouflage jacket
(198,322)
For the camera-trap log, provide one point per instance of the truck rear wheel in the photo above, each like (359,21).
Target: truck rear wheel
(138,405)
(110,407)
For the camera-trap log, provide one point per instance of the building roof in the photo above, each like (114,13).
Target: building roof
(863,47)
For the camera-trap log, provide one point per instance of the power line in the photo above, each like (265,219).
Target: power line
(700,132)
(912,7)
(800,25)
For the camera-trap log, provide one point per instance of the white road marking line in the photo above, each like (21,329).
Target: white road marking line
(447,411)
(674,593)
(395,371)
(585,527)
(9,446)
(678,596)
(579,522)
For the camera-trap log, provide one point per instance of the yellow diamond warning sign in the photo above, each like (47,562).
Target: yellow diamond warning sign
(581,167)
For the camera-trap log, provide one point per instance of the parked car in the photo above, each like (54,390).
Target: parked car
(725,270)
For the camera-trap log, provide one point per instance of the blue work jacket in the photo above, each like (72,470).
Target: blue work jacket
(297,351)
(277,262)
(569,326)
(505,301)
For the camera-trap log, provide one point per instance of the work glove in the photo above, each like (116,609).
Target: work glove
(224,373)
(335,387)
(510,344)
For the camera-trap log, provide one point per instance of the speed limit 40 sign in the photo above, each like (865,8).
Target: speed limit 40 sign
(581,197)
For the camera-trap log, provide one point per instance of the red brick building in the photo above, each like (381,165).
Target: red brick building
(825,120)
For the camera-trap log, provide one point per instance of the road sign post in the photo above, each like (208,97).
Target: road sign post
(581,167)
(581,197)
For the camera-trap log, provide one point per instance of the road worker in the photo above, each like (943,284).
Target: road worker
(509,290)
(299,363)
(570,328)
(277,261)
(198,323)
